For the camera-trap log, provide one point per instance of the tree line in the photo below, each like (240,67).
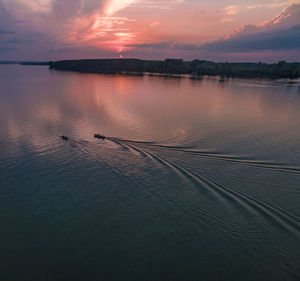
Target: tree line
(281,69)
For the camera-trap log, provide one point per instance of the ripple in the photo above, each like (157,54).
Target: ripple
(233,198)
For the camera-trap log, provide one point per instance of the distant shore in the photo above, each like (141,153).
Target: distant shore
(26,62)
(194,68)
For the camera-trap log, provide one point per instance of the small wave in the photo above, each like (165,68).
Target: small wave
(276,215)
(233,198)
(280,167)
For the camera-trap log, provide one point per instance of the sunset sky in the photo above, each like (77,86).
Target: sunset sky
(220,30)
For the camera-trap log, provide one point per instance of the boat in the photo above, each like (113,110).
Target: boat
(64,138)
(99,136)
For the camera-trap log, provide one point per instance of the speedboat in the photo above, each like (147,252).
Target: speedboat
(99,136)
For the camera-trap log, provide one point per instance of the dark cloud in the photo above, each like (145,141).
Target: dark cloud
(5,32)
(279,39)
(75,52)
(2,9)
(160,45)
(89,6)
(65,9)
(280,33)
(40,34)
(7,49)
(166,45)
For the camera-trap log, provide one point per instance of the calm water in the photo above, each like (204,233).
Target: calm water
(197,180)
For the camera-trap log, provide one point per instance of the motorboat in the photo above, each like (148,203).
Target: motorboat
(99,136)
(64,138)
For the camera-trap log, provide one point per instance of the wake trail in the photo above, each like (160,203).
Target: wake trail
(218,156)
(277,215)
(83,147)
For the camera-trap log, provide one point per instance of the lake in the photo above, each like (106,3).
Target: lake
(197,179)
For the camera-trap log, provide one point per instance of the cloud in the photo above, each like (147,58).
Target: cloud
(232,10)
(278,39)
(236,9)
(155,23)
(106,27)
(17,39)
(82,23)
(268,5)
(5,32)
(114,6)
(159,45)
(281,33)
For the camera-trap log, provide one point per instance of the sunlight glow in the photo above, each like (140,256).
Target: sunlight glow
(116,5)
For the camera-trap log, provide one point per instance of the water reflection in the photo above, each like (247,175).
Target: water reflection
(148,108)
(193,174)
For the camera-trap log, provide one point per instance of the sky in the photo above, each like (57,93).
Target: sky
(219,30)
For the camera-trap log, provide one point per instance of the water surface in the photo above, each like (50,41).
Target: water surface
(197,179)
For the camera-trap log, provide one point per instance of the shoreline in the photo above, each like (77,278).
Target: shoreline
(195,69)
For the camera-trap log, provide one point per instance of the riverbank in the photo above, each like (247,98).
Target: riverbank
(196,68)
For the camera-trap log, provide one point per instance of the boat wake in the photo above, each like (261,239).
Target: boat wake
(253,205)
(224,194)
(280,167)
